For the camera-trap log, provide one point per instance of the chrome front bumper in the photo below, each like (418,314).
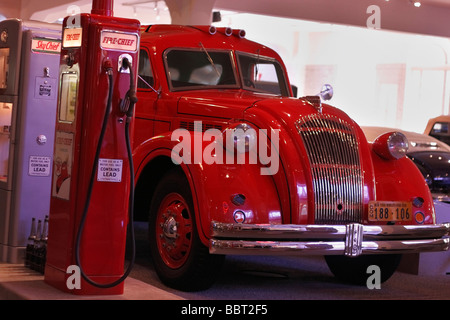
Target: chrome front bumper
(351,240)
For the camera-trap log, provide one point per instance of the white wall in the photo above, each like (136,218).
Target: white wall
(380,77)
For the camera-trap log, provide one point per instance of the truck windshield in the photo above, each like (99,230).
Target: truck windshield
(189,69)
(262,74)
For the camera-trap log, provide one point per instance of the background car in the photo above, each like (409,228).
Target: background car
(430,155)
(439,128)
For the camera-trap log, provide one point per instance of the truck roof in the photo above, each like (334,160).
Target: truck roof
(164,36)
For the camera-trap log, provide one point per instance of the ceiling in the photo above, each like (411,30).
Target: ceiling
(431,18)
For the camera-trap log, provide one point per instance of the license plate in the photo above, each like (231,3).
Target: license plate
(390,211)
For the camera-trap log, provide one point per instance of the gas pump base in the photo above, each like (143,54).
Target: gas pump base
(71,282)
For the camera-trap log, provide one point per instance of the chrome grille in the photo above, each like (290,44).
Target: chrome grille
(333,155)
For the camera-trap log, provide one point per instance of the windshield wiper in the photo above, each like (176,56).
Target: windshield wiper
(148,85)
(209,58)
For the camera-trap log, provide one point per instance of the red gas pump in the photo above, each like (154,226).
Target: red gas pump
(93,180)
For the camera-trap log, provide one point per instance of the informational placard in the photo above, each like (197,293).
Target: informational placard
(119,41)
(109,170)
(39,166)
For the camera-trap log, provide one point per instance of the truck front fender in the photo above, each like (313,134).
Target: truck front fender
(229,193)
(401,180)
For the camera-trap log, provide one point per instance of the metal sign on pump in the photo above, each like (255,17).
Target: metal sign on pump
(92,184)
(29,63)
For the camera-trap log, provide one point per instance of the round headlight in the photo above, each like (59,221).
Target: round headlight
(241,137)
(398,145)
(391,145)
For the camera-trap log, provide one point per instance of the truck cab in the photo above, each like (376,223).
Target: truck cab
(227,161)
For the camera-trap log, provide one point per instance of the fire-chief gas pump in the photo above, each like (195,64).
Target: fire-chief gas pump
(93,179)
(29,64)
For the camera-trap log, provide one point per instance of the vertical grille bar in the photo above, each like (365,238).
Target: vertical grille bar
(333,155)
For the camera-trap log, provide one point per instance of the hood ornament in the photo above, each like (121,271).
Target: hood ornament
(325,94)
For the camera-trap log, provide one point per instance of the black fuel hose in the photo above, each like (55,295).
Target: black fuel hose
(92,180)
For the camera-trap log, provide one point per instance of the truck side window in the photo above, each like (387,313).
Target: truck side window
(263,74)
(145,78)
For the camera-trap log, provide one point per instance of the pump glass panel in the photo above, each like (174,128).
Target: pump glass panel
(4,67)
(5,138)
(68,96)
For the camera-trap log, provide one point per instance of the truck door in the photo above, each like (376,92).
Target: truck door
(147,97)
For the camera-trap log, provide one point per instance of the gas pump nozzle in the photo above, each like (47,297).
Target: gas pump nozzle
(127,104)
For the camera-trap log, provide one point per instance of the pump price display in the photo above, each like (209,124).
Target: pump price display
(390,211)
(72,37)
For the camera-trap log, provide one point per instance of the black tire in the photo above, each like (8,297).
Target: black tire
(354,270)
(180,259)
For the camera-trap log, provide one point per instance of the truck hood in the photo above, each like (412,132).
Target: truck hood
(289,110)
(229,104)
(323,153)
(225,104)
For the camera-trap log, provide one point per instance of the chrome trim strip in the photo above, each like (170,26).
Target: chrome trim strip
(325,232)
(247,247)
(353,239)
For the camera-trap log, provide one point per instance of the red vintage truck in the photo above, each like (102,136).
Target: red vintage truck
(228,161)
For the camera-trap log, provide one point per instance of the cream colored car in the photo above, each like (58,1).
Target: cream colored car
(429,154)
(439,128)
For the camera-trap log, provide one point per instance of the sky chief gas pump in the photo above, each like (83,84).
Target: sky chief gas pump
(92,179)
(29,64)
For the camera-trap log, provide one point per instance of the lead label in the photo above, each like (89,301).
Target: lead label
(109,170)
(39,166)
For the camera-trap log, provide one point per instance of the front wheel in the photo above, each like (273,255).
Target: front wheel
(180,258)
(356,270)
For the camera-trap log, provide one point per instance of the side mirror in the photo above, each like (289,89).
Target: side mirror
(294,90)
(326,93)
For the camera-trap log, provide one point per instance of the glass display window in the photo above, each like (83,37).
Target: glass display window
(68,96)
(4,67)
(5,138)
